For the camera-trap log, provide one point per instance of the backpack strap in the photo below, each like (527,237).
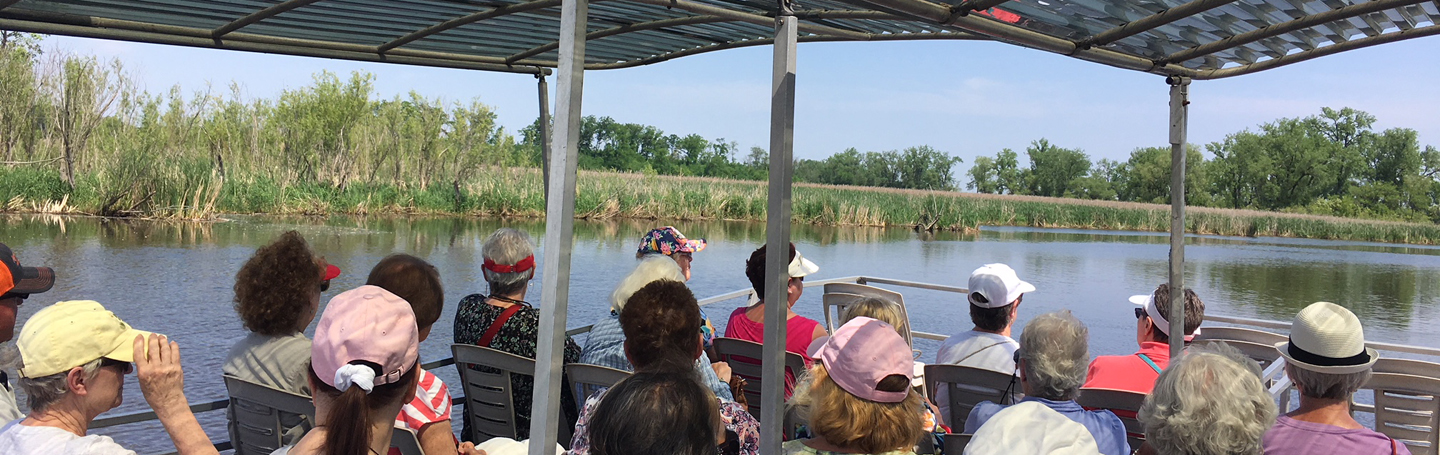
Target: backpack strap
(977,351)
(495,326)
(1147,360)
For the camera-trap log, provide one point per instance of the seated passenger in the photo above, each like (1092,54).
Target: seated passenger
(428,412)
(75,357)
(660,322)
(364,368)
(1137,372)
(994,302)
(857,399)
(1210,402)
(666,412)
(1054,352)
(277,294)
(16,285)
(748,323)
(1327,360)
(605,345)
(503,320)
(669,242)
(891,313)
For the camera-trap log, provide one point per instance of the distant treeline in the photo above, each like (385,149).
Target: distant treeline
(1334,163)
(76,129)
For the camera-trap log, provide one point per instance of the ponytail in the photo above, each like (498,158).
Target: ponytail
(348,430)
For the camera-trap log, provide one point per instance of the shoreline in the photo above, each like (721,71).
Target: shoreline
(516,194)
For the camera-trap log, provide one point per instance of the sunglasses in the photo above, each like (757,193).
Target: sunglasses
(125,367)
(324,285)
(1140,312)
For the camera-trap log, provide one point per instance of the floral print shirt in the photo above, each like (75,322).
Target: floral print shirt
(736,418)
(517,336)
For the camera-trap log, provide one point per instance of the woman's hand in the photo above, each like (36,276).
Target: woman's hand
(157,367)
(468,448)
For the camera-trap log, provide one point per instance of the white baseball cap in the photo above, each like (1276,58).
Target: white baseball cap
(996,285)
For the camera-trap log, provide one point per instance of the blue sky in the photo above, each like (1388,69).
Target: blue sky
(965,98)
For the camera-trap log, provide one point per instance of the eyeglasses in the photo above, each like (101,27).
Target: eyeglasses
(125,367)
(1140,312)
(324,285)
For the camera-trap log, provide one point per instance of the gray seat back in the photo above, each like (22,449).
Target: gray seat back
(1124,403)
(838,296)
(406,441)
(1407,408)
(966,387)
(589,379)
(256,413)
(485,376)
(744,359)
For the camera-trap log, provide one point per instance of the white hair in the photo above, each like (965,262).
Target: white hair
(652,268)
(1056,353)
(44,391)
(507,246)
(1209,402)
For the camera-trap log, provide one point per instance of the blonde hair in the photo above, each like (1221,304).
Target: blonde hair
(855,423)
(651,269)
(881,309)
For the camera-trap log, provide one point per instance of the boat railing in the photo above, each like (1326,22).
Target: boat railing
(1273,375)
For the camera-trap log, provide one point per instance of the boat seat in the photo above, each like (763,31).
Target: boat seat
(1406,409)
(257,411)
(838,296)
(1124,403)
(743,357)
(406,442)
(1407,366)
(485,375)
(589,379)
(967,387)
(955,443)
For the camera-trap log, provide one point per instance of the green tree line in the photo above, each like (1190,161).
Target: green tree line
(1333,163)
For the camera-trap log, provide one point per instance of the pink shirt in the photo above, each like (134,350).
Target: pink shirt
(1128,372)
(799,332)
(1295,437)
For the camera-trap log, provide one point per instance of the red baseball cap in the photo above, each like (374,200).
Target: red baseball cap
(16,279)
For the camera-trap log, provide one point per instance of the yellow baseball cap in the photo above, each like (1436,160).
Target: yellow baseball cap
(71,334)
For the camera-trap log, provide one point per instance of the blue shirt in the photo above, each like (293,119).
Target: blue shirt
(606,347)
(1104,426)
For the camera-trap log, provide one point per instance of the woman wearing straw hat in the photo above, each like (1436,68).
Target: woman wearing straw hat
(1328,361)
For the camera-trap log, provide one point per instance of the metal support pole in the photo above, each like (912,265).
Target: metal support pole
(1179,116)
(559,231)
(545,150)
(777,229)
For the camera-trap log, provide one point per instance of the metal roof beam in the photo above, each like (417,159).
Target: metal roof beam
(627,28)
(967,6)
(6,3)
(469,19)
(769,41)
(163,37)
(940,14)
(1286,27)
(757,19)
(1151,22)
(260,15)
(1321,52)
(692,20)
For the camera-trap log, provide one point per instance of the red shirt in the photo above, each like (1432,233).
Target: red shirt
(1129,372)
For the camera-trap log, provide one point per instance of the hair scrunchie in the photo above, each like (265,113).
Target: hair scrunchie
(357,375)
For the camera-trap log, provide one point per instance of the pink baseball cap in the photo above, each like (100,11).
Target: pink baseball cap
(863,352)
(367,324)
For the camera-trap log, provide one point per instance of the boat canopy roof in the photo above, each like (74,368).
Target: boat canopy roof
(1201,39)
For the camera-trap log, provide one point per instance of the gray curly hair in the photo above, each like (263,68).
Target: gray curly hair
(1209,402)
(1055,351)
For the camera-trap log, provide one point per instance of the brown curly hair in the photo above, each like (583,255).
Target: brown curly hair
(275,287)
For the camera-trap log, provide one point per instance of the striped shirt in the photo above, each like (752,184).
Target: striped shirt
(431,404)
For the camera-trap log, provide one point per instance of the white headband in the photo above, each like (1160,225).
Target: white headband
(353,374)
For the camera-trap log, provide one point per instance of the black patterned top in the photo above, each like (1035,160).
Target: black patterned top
(518,337)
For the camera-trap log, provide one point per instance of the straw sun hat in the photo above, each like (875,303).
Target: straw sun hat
(1327,338)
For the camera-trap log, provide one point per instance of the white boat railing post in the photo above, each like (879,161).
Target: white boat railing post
(544,131)
(559,231)
(777,229)
(1179,116)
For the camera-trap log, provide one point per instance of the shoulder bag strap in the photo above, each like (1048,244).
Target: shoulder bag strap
(1147,360)
(977,351)
(495,326)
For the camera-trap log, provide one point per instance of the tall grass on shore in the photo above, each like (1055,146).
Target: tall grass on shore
(516,192)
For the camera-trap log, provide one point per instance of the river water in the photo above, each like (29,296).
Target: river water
(176,278)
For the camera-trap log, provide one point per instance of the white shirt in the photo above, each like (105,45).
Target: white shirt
(9,410)
(1031,427)
(975,349)
(17,439)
